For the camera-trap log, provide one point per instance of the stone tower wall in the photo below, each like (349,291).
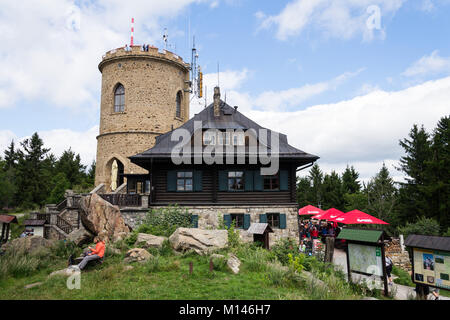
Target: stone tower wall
(151,81)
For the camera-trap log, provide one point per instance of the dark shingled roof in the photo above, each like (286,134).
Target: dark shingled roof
(229,118)
(428,242)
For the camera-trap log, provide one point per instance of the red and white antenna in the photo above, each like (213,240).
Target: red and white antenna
(132,31)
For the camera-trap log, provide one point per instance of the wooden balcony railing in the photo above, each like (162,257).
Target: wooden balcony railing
(123,200)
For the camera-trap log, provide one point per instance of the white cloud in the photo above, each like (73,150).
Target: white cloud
(280,100)
(432,64)
(59,140)
(231,81)
(50,49)
(363,131)
(338,19)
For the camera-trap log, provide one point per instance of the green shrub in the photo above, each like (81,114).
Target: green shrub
(234,239)
(276,275)
(425,226)
(18,263)
(297,263)
(219,264)
(166,248)
(164,221)
(403,277)
(256,260)
(282,248)
(64,249)
(131,239)
(153,264)
(447,234)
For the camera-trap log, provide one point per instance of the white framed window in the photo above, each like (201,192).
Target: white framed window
(209,138)
(238,139)
(224,138)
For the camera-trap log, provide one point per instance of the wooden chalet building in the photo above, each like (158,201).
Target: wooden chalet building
(236,192)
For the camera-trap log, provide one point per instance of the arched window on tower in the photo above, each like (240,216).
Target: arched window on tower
(119,99)
(179,98)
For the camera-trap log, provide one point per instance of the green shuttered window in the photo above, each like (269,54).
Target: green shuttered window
(246,221)
(172,180)
(184,180)
(227,220)
(194,221)
(284,180)
(282,221)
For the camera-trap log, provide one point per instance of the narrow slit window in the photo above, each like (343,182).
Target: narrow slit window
(179,98)
(119,99)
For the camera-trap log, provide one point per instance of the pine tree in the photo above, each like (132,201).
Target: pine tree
(70,165)
(31,182)
(439,171)
(382,196)
(333,195)
(11,156)
(315,195)
(303,191)
(350,183)
(413,196)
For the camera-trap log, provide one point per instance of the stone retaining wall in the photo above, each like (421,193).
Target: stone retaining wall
(399,258)
(209,216)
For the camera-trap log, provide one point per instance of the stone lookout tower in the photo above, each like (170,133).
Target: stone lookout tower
(144,94)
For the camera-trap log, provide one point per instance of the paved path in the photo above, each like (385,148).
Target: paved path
(401,292)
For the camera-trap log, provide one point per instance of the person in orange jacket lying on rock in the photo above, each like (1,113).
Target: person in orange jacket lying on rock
(93,254)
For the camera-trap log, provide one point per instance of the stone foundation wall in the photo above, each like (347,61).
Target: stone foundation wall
(399,258)
(209,217)
(133,217)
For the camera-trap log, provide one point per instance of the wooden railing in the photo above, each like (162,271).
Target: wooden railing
(62,205)
(43,216)
(123,200)
(63,225)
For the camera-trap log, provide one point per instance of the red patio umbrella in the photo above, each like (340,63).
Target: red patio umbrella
(358,217)
(309,209)
(329,214)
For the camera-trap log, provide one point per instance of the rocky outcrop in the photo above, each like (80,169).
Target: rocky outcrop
(100,217)
(149,240)
(80,236)
(28,244)
(201,241)
(233,263)
(137,255)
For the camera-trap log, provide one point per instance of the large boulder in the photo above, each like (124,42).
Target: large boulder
(199,240)
(28,244)
(149,240)
(233,263)
(80,236)
(137,255)
(100,217)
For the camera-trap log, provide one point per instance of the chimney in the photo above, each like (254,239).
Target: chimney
(216,102)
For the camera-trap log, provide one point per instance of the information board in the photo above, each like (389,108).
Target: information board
(365,258)
(432,268)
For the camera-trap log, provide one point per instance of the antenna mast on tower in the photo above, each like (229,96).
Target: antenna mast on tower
(165,38)
(196,73)
(132,31)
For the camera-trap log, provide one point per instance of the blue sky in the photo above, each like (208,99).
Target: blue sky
(310,69)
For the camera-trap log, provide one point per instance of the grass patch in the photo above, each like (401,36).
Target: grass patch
(166,276)
(404,277)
